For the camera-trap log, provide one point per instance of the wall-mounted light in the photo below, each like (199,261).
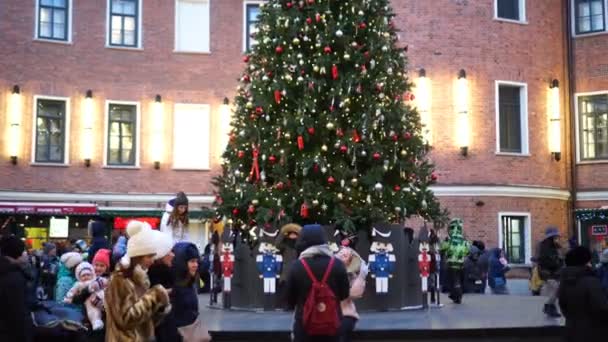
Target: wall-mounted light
(87,128)
(225,119)
(423,103)
(554,121)
(463,130)
(157,131)
(14,141)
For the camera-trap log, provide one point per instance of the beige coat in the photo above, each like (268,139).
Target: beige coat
(133,308)
(357,287)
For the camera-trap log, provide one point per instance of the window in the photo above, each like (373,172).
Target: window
(252,11)
(513,236)
(510,9)
(192,25)
(593,126)
(50,134)
(53,20)
(512,115)
(124,23)
(191,136)
(122,134)
(589,16)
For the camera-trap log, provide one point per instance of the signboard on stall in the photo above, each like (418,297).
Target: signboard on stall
(59,228)
(599,230)
(35,236)
(47,208)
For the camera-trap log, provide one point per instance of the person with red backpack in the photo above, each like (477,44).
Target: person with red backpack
(316,284)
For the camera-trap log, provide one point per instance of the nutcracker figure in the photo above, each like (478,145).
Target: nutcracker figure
(227,259)
(269,263)
(381,260)
(424,263)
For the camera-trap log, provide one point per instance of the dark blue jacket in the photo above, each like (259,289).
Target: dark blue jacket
(184,300)
(496,269)
(99,241)
(166,331)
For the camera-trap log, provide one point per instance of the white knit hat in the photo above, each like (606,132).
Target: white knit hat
(164,244)
(142,240)
(71,259)
(84,268)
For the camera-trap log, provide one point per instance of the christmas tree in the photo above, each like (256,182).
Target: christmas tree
(324,128)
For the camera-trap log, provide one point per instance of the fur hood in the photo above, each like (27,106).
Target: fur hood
(132,307)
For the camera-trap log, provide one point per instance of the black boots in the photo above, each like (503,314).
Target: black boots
(551,311)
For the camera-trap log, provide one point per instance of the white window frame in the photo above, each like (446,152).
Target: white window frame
(527,232)
(140,14)
(175,134)
(245,3)
(577,128)
(573,21)
(525,146)
(522,13)
(37,25)
(66,135)
(175,49)
(106,125)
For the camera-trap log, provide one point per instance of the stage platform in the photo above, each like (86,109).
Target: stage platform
(478,318)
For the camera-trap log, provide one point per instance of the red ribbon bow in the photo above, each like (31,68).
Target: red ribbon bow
(255,167)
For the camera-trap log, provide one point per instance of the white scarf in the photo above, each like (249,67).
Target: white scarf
(316,250)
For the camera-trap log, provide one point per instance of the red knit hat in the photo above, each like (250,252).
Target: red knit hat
(103,257)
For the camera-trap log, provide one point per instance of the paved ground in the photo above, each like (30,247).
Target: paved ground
(517,317)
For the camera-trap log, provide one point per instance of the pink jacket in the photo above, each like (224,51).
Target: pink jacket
(357,287)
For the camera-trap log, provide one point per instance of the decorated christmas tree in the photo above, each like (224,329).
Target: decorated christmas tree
(324,128)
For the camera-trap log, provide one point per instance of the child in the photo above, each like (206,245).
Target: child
(85,276)
(94,303)
(357,272)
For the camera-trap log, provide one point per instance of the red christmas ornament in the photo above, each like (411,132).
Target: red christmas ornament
(366,54)
(395,137)
(277,96)
(339,132)
(343,149)
(280,186)
(331,180)
(356,137)
(232,137)
(279,49)
(376,155)
(289,5)
(235,211)
(309,21)
(251,209)
(304,210)
(241,154)
(272,159)
(434,176)
(327,49)
(408,96)
(246,78)
(407,135)
(269,74)
(315,168)
(310,2)
(246,59)
(397,188)
(363,26)
(363,69)
(334,72)
(259,110)
(318,17)
(311,130)
(300,143)
(331,108)
(219,200)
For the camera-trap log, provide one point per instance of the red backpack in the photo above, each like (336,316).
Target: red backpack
(320,314)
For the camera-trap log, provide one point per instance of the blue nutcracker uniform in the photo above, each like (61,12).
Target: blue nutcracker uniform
(382,266)
(269,266)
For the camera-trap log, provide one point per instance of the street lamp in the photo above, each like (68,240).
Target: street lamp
(554,121)
(157,131)
(87,125)
(14,140)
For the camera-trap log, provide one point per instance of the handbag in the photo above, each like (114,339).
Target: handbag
(195,332)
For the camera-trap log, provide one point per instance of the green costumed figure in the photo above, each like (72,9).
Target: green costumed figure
(454,250)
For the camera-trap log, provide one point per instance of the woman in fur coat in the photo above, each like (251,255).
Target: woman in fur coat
(132,307)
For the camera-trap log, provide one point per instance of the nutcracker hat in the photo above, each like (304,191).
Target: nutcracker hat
(381,234)
(268,234)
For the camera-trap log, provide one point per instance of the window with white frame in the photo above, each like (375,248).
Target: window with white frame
(191,133)
(53,19)
(252,11)
(192,25)
(515,237)
(122,142)
(51,124)
(593,127)
(589,16)
(511,117)
(510,10)
(124,23)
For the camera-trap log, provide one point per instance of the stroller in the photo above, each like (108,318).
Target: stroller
(58,322)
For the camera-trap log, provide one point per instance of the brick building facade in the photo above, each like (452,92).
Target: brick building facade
(508,188)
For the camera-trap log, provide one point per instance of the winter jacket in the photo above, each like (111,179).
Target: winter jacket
(49,268)
(175,229)
(15,318)
(299,284)
(166,331)
(184,299)
(132,307)
(357,288)
(99,241)
(455,248)
(584,304)
(549,260)
(496,273)
(65,281)
(473,275)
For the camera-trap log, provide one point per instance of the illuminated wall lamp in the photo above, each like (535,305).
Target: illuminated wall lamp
(554,121)
(87,125)
(463,130)
(15,124)
(423,103)
(157,131)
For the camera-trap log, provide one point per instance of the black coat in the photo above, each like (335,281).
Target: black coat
(299,284)
(584,304)
(549,260)
(166,331)
(15,318)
